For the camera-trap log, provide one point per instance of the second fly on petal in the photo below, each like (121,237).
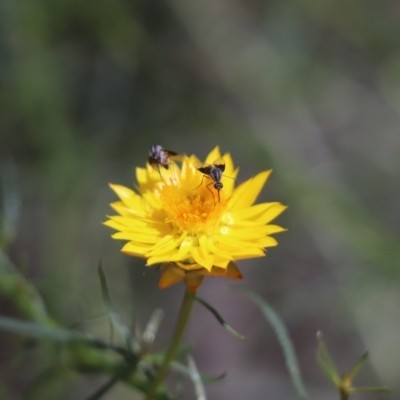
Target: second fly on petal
(160,157)
(214,172)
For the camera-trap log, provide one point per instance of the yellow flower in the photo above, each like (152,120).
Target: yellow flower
(177,219)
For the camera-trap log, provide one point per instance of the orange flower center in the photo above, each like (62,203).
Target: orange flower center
(193,211)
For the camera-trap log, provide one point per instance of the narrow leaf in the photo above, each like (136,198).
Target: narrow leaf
(115,318)
(153,326)
(24,296)
(326,362)
(195,377)
(212,379)
(331,375)
(36,330)
(102,390)
(377,389)
(183,369)
(351,375)
(283,338)
(56,334)
(220,319)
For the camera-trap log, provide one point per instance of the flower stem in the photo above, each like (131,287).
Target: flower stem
(183,318)
(344,395)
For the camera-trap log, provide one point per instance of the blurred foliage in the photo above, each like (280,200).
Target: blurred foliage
(309,88)
(344,383)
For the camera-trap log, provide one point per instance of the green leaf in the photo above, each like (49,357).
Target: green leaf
(195,377)
(115,318)
(183,369)
(326,362)
(283,338)
(351,375)
(98,394)
(376,389)
(220,319)
(57,334)
(152,327)
(21,293)
(40,331)
(213,378)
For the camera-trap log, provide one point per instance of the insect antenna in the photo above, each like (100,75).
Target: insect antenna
(230,177)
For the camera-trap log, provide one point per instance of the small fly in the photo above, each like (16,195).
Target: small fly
(158,156)
(214,172)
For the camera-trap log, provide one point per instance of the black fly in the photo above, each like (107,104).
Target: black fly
(214,172)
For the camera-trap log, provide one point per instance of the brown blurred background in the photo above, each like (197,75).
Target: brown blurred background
(308,88)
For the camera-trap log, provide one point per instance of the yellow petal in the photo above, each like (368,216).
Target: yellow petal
(141,175)
(188,170)
(216,249)
(122,191)
(133,206)
(148,178)
(249,213)
(205,253)
(229,182)
(119,222)
(249,253)
(166,245)
(147,230)
(246,193)
(246,233)
(137,237)
(134,249)
(229,167)
(221,262)
(201,258)
(271,213)
(131,224)
(232,244)
(152,200)
(167,257)
(128,209)
(120,208)
(275,229)
(114,224)
(184,248)
(267,241)
(213,155)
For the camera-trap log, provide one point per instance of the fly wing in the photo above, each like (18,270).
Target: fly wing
(220,164)
(204,168)
(173,155)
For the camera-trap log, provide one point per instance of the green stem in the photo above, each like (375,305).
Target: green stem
(344,395)
(183,318)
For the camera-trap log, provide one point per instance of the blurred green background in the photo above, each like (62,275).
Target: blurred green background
(308,88)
